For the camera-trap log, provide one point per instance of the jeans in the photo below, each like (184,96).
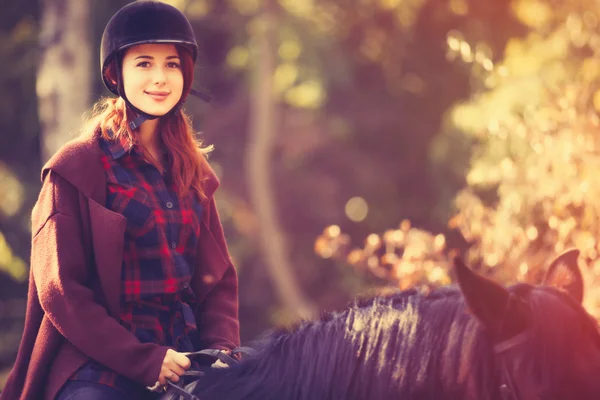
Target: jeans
(76,390)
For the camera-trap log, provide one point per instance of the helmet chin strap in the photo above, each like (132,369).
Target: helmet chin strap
(141,116)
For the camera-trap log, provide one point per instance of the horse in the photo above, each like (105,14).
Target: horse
(475,340)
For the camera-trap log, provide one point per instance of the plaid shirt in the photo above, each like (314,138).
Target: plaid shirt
(160,248)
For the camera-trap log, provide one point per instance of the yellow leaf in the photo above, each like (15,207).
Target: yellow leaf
(459,7)
(198,9)
(10,263)
(179,4)
(520,61)
(389,4)
(284,77)
(238,57)
(300,8)
(309,94)
(247,7)
(533,13)
(597,100)
(290,49)
(12,193)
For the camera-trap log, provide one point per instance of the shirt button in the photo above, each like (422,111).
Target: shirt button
(173,245)
(186,285)
(169,204)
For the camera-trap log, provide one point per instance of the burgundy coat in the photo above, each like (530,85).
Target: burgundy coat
(74,282)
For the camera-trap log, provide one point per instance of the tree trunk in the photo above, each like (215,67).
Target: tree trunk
(64,81)
(258,167)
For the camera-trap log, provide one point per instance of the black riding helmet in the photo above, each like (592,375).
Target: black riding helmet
(143,22)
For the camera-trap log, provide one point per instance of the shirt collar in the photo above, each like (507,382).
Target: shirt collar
(120,146)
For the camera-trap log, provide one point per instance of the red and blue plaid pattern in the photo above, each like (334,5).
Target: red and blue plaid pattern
(159,255)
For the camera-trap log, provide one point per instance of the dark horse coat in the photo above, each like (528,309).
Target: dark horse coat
(536,342)
(75,277)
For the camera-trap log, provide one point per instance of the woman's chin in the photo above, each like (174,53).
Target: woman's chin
(156,111)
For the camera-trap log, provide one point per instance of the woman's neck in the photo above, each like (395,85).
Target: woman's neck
(148,135)
(149,140)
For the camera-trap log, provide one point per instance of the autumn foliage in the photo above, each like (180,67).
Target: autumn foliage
(530,135)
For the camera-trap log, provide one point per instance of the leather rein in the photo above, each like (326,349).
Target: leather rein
(181,393)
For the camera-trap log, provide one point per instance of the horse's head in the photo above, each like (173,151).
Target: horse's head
(546,345)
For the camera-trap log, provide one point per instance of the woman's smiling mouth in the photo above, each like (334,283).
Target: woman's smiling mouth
(159,96)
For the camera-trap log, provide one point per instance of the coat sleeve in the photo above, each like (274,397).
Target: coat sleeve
(217,313)
(62,276)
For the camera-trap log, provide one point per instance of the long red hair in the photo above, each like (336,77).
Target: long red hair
(189,169)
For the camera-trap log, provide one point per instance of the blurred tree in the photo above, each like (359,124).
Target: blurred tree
(64,72)
(261,142)
(311,61)
(64,76)
(360,88)
(19,165)
(19,160)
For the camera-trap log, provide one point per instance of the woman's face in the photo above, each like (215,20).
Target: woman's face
(152,77)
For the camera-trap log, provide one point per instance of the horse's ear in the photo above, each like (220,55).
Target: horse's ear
(502,314)
(564,273)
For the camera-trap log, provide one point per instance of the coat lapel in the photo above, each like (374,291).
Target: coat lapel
(108,232)
(80,163)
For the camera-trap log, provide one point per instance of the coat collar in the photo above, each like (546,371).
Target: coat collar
(80,163)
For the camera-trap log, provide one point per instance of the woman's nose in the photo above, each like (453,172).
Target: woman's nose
(159,76)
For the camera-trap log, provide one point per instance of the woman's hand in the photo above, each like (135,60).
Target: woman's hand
(219,363)
(173,366)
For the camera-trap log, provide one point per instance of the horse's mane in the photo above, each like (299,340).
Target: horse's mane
(407,344)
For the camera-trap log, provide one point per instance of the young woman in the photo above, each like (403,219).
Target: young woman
(129,265)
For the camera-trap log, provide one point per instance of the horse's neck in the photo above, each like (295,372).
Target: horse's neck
(442,353)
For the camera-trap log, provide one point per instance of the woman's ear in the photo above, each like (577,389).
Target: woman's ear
(111,73)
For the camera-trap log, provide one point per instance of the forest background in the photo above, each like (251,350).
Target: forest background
(359,143)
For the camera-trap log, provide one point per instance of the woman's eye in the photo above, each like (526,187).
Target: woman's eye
(173,65)
(144,64)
